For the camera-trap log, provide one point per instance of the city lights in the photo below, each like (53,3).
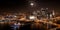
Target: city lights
(15,16)
(29,15)
(32,17)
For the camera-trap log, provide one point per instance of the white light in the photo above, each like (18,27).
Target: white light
(14,23)
(31,4)
(32,17)
(19,24)
(53,13)
(15,16)
(50,15)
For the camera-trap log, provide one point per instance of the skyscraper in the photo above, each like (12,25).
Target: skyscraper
(44,12)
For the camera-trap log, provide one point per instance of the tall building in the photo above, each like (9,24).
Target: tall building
(35,13)
(53,13)
(44,12)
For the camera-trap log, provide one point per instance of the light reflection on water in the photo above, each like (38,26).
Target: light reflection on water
(31,26)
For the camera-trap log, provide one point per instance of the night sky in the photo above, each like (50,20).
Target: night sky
(23,5)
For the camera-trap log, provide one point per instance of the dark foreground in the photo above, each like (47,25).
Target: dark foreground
(35,26)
